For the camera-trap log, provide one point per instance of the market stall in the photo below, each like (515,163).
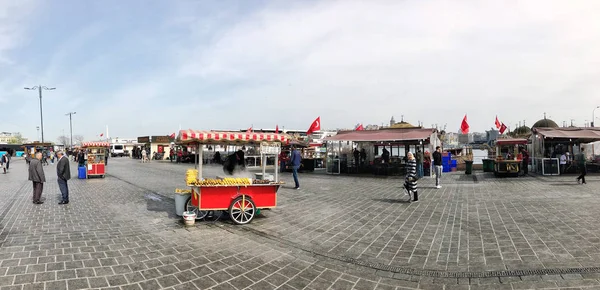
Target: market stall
(242,198)
(32,148)
(508,158)
(96,156)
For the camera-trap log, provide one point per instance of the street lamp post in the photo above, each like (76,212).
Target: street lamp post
(594,116)
(71,125)
(40,88)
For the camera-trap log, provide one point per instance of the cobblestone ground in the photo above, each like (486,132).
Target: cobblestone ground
(336,232)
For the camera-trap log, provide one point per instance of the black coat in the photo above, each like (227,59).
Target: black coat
(63,169)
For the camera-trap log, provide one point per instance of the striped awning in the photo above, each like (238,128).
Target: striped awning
(95,144)
(210,137)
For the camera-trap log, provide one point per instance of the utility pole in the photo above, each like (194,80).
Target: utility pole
(40,88)
(70,114)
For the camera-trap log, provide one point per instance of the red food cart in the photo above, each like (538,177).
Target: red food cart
(96,154)
(242,198)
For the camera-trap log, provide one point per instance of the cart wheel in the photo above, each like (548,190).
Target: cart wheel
(242,210)
(200,214)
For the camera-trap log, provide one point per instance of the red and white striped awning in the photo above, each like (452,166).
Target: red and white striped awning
(95,144)
(209,137)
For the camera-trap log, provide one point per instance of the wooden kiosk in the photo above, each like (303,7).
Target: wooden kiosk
(510,166)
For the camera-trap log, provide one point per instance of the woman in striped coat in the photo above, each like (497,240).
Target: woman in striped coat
(410,181)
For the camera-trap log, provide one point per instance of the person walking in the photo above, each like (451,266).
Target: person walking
(4,161)
(581,165)
(8,158)
(63,173)
(295,161)
(37,177)
(437,165)
(419,159)
(144,155)
(410,181)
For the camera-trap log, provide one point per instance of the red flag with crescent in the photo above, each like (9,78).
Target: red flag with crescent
(315,126)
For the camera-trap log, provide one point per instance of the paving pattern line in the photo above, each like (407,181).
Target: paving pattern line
(8,225)
(413,271)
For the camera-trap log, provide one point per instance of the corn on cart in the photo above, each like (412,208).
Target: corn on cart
(242,198)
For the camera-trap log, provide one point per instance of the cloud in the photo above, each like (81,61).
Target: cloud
(209,65)
(432,61)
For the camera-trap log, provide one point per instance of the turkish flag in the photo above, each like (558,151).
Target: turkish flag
(249,130)
(359,127)
(464,127)
(276,129)
(172,136)
(101,134)
(502,128)
(498,125)
(315,126)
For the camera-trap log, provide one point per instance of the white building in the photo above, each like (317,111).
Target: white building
(7,137)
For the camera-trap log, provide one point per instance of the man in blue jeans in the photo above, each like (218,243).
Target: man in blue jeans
(63,172)
(295,161)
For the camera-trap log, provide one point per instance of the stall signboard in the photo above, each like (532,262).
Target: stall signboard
(144,139)
(270,148)
(161,139)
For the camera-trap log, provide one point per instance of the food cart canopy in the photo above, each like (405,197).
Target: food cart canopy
(511,141)
(383,135)
(95,144)
(592,134)
(211,137)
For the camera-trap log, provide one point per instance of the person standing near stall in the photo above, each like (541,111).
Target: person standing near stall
(581,164)
(63,173)
(419,159)
(295,161)
(385,155)
(525,155)
(36,175)
(437,165)
(282,161)
(410,181)
(363,156)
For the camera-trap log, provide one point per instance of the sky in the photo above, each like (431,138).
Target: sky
(147,67)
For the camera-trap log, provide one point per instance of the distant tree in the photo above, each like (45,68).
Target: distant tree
(78,139)
(63,140)
(17,138)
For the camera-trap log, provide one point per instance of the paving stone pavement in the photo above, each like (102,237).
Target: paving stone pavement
(336,232)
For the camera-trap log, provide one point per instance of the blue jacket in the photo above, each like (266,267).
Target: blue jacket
(295,158)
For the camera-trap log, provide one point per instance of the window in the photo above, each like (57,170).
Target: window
(118,147)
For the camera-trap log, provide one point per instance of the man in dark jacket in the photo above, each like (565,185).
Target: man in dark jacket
(437,165)
(295,161)
(63,172)
(36,175)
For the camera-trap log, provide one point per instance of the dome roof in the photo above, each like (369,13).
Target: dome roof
(521,131)
(402,125)
(545,123)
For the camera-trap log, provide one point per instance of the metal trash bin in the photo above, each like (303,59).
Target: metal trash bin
(181,198)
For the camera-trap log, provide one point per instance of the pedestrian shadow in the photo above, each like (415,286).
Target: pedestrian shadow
(391,200)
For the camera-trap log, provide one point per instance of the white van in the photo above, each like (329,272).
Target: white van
(117,150)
